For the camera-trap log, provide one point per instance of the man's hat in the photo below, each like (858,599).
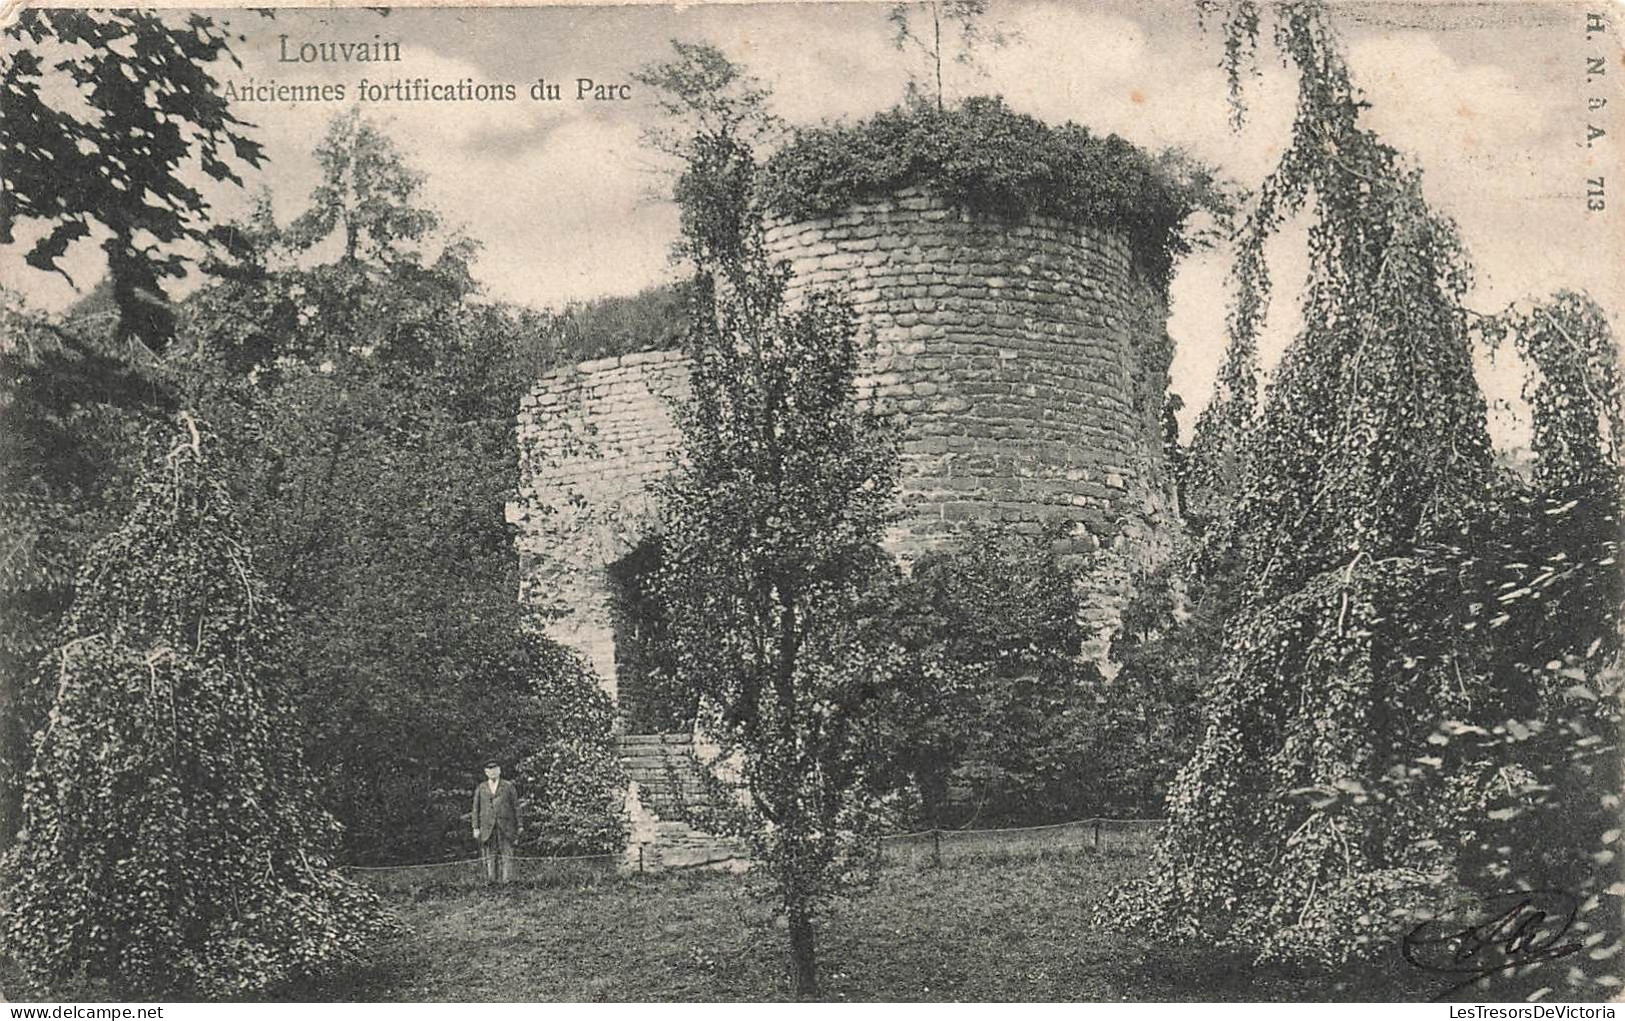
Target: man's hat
(490,763)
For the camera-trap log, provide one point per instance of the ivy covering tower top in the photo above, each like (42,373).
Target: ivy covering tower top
(992,160)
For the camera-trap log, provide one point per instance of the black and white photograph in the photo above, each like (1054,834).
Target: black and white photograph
(953,501)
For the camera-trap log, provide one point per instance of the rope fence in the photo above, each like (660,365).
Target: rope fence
(1102,836)
(529,870)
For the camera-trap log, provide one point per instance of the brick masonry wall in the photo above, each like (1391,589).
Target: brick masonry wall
(1028,362)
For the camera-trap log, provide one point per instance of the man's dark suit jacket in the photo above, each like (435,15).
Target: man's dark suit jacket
(499,811)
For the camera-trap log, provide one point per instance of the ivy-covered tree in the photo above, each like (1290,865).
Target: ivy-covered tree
(175,846)
(1372,445)
(72,410)
(1551,602)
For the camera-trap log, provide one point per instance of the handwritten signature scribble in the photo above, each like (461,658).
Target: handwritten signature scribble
(1519,928)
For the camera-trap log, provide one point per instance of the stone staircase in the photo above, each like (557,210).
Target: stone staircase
(664,768)
(663,785)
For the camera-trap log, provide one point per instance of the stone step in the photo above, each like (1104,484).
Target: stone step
(663,766)
(663,793)
(656,761)
(666,841)
(668,795)
(680,772)
(673,826)
(661,779)
(668,806)
(681,767)
(655,740)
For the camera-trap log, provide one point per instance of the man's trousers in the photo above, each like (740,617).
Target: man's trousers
(497,854)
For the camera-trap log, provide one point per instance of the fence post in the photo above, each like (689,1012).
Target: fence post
(1097,834)
(640,857)
(936,848)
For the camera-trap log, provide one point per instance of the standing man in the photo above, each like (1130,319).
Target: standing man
(496,823)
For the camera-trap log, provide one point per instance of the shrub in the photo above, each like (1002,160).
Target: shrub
(572,783)
(990,159)
(996,702)
(653,319)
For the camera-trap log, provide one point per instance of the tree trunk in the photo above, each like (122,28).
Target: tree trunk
(803,955)
(936,54)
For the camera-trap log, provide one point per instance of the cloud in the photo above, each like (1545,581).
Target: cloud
(565,221)
(1447,111)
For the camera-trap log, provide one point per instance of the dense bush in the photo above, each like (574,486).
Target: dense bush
(367,406)
(571,782)
(999,717)
(990,159)
(1005,617)
(1167,642)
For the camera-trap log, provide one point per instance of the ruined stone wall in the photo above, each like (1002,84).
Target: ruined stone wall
(1028,362)
(593,441)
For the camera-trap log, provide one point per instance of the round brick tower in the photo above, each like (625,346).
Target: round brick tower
(1029,362)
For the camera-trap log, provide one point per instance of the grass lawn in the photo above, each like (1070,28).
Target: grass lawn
(973,930)
(995,928)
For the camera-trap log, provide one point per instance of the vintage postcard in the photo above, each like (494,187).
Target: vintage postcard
(987,500)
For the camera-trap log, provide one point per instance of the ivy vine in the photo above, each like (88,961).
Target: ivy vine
(992,160)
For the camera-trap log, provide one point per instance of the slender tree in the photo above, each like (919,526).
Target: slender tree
(773,524)
(773,531)
(368,196)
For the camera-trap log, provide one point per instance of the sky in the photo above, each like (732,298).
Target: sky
(1489,98)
